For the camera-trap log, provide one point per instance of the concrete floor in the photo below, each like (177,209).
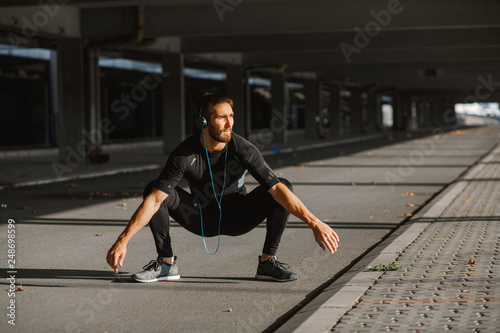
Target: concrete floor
(363,190)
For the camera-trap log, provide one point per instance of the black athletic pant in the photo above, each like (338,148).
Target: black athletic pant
(240,214)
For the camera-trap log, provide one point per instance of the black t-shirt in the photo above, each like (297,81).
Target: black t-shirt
(189,161)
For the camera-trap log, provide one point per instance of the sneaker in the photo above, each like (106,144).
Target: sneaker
(158,270)
(273,270)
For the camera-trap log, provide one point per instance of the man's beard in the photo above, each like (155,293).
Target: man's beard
(219,136)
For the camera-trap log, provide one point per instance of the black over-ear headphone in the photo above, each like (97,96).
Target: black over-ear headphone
(200,122)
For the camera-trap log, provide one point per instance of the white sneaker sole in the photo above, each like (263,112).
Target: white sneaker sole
(163,278)
(271,278)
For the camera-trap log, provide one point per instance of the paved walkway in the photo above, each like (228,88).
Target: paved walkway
(66,291)
(449,269)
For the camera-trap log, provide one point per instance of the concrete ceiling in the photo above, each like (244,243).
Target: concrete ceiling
(425,45)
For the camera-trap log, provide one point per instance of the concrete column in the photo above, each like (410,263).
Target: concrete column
(311,108)
(336,119)
(419,112)
(378,113)
(174,115)
(374,111)
(412,120)
(279,108)
(434,113)
(405,111)
(440,113)
(248,104)
(397,112)
(54,95)
(449,116)
(73,148)
(93,97)
(47,112)
(427,113)
(356,109)
(235,89)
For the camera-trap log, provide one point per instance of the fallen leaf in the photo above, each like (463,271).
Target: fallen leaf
(99,234)
(228,310)
(409,214)
(471,261)
(409,194)
(20,287)
(300,166)
(466,200)
(411,205)
(353,184)
(123,204)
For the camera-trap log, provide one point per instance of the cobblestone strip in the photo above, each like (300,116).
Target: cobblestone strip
(449,281)
(449,276)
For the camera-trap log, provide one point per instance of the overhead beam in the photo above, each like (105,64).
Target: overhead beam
(464,66)
(108,23)
(323,15)
(110,3)
(369,55)
(455,37)
(20,25)
(207,18)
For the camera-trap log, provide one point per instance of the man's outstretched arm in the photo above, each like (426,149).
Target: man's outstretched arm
(141,217)
(323,234)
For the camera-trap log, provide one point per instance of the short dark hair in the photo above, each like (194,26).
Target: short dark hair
(204,104)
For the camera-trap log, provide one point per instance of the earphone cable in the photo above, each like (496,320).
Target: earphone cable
(218,200)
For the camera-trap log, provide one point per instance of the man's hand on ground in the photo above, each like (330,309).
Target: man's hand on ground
(325,236)
(116,255)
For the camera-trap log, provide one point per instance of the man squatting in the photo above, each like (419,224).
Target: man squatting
(215,162)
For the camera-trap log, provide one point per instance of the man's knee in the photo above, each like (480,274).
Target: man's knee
(286,183)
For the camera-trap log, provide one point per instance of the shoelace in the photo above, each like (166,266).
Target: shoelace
(152,264)
(155,263)
(278,264)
